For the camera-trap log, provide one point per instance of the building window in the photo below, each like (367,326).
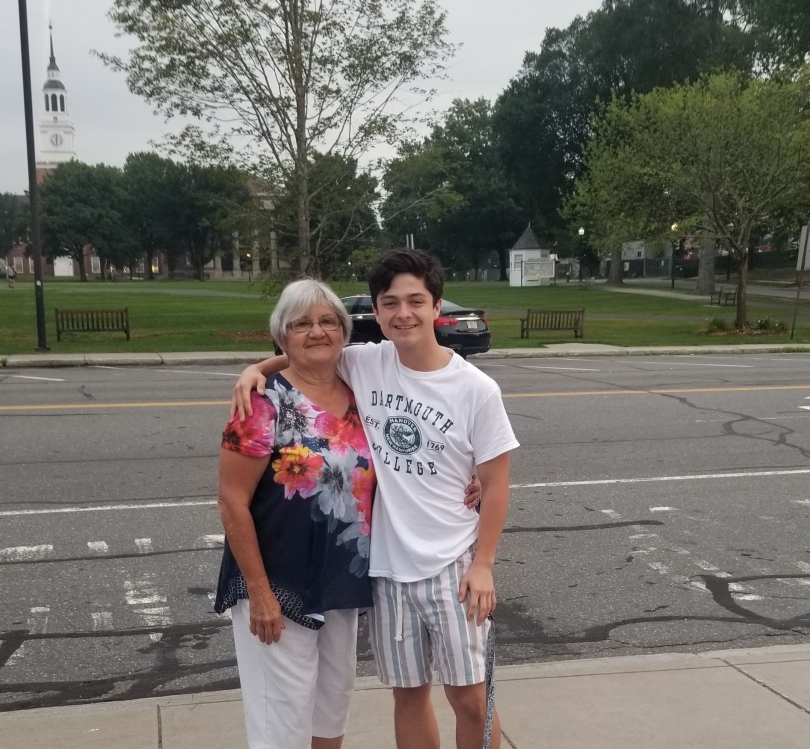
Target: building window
(141,269)
(47,103)
(61,102)
(95,264)
(18,264)
(155,265)
(54,108)
(30,265)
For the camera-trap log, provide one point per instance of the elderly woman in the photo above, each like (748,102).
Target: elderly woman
(296,484)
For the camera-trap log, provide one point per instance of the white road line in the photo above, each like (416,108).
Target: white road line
(805,502)
(706,364)
(194,371)
(567,369)
(156,617)
(144,545)
(45,379)
(102,366)
(646,479)
(804,567)
(213,540)
(663,509)
(142,592)
(98,547)
(706,566)
(102,620)
(25,553)
(659,567)
(107,508)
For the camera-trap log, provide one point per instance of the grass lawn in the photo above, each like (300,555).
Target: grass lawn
(232,315)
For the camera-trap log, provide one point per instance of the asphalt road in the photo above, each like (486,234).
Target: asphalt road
(659,504)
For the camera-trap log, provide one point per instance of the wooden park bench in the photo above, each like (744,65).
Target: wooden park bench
(546,319)
(724,297)
(91,321)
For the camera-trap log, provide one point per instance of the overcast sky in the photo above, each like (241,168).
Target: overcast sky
(111,122)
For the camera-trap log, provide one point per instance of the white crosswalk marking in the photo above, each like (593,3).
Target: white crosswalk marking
(143,545)
(98,547)
(102,620)
(212,540)
(25,553)
(142,592)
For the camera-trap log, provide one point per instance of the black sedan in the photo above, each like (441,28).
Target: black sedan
(462,329)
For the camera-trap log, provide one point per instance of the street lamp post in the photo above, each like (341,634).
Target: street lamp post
(33,194)
(672,259)
(581,239)
(250,268)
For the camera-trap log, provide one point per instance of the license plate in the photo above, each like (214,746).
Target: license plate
(472,324)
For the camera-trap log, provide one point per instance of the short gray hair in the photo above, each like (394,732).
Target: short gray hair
(297,299)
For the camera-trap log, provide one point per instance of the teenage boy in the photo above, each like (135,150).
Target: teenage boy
(430,418)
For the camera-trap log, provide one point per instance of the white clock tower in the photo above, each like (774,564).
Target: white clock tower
(56,129)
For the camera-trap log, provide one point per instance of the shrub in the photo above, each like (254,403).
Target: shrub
(717,325)
(775,326)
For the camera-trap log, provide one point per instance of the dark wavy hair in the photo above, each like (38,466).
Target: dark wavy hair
(416,262)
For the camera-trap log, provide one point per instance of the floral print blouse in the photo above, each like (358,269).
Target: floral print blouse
(312,507)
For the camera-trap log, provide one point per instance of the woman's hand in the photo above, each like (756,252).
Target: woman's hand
(472,496)
(266,620)
(250,379)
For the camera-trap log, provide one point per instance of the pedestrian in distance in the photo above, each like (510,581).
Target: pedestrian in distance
(296,484)
(11,274)
(430,419)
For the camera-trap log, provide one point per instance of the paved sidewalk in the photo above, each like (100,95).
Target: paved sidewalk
(206,358)
(733,699)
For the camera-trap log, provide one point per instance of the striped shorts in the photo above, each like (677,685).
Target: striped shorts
(420,628)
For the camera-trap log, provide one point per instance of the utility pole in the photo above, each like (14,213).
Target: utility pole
(802,262)
(33,193)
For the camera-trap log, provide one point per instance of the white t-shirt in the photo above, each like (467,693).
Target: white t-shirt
(427,431)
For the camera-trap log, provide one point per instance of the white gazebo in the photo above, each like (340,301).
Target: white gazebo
(529,265)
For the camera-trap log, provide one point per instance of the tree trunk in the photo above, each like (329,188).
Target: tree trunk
(705,283)
(742,282)
(150,275)
(79,256)
(616,267)
(296,22)
(502,264)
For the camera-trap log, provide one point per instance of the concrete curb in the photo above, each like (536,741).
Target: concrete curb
(192,358)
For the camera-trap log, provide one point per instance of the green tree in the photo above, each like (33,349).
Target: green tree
(148,199)
(342,216)
(11,209)
(779,30)
(83,205)
(730,156)
(292,76)
(543,118)
(205,208)
(452,192)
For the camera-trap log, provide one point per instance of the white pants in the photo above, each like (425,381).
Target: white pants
(300,686)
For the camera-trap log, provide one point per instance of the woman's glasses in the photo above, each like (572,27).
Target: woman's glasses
(304,325)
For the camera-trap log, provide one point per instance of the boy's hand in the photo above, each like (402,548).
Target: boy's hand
(250,379)
(479,584)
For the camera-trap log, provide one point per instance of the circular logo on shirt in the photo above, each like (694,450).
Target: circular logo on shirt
(402,435)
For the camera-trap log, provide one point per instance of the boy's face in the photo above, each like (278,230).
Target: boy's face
(406,312)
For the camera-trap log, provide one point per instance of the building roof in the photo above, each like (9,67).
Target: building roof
(527,240)
(53,84)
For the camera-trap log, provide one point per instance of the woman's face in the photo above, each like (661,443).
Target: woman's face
(315,347)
